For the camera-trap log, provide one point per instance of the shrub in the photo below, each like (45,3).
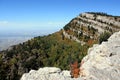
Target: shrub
(66,27)
(104,36)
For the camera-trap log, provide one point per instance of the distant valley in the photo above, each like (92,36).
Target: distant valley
(7,41)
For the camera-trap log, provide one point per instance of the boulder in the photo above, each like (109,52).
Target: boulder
(103,61)
(47,73)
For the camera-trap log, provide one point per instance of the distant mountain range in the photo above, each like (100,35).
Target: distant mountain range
(60,48)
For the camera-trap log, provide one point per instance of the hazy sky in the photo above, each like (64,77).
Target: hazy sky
(45,16)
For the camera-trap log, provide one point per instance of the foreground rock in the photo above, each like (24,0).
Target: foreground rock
(101,63)
(47,73)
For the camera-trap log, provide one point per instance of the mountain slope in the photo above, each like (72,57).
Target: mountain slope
(101,63)
(57,49)
(89,26)
(51,50)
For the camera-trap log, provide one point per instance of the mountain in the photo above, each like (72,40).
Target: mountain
(60,48)
(101,63)
(87,27)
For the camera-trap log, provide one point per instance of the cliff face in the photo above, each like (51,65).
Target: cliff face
(101,63)
(89,26)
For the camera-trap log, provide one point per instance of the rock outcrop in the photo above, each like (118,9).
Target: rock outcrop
(47,73)
(90,25)
(101,63)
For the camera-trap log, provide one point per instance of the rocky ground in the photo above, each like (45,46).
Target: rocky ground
(101,63)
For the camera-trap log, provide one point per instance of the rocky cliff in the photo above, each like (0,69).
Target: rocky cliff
(88,26)
(101,63)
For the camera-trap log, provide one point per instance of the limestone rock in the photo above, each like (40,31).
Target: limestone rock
(90,25)
(47,73)
(103,61)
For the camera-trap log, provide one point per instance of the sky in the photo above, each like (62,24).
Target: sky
(47,16)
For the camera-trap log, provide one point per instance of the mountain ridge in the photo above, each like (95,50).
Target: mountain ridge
(91,25)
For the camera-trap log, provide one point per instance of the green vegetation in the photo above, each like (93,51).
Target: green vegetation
(51,50)
(66,27)
(104,36)
(99,13)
